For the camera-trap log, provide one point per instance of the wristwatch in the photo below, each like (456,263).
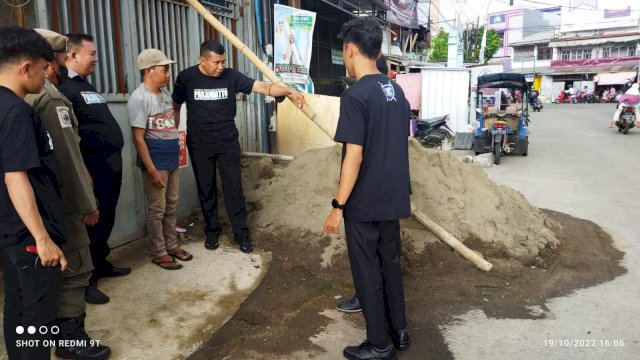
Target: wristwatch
(336,204)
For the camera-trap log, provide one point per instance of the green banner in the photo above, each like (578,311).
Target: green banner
(301,22)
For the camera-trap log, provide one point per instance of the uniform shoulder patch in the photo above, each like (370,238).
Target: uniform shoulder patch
(63,116)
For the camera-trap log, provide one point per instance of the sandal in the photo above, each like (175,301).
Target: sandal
(180,254)
(167,265)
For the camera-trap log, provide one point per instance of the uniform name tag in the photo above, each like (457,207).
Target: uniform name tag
(91,97)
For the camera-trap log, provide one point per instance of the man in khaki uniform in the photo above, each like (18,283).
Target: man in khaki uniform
(79,204)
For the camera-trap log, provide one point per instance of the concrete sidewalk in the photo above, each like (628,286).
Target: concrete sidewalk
(161,314)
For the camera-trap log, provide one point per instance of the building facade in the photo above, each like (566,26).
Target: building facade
(595,47)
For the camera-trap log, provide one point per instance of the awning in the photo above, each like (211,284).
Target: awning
(614,78)
(570,70)
(592,41)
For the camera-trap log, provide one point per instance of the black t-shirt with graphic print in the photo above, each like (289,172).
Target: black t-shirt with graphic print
(211,104)
(100,134)
(374,113)
(25,146)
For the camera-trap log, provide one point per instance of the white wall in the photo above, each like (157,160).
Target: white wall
(446,91)
(546,88)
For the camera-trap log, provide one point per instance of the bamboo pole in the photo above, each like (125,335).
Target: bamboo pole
(445,236)
(273,156)
(450,240)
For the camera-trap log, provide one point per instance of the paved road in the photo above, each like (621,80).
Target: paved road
(578,166)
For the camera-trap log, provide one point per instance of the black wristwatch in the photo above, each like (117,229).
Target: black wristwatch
(336,204)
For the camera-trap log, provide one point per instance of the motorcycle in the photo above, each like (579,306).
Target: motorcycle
(627,119)
(433,131)
(563,98)
(590,98)
(534,101)
(609,97)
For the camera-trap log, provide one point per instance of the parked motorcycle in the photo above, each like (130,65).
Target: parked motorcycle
(433,130)
(609,97)
(534,101)
(590,98)
(563,97)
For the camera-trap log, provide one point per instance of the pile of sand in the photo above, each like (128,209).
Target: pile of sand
(459,197)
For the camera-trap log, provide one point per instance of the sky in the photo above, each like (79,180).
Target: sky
(471,9)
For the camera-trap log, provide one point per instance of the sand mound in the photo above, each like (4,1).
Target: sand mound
(459,197)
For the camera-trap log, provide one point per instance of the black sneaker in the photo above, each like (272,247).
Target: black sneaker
(73,333)
(93,295)
(246,245)
(368,351)
(211,243)
(400,338)
(351,306)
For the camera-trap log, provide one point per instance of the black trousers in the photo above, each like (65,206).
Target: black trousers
(107,178)
(206,160)
(374,255)
(30,299)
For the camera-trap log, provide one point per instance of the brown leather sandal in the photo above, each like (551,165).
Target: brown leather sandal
(180,254)
(167,265)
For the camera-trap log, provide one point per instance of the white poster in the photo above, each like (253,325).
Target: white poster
(293,39)
(579,15)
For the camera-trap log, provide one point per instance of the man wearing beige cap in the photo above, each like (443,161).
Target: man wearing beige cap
(155,136)
(79,204)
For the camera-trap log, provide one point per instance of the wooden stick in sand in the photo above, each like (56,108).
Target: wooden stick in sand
(445,236)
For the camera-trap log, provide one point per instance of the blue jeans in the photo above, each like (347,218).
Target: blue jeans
(31,299)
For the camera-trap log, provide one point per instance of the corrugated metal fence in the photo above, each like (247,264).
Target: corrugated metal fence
(121,29)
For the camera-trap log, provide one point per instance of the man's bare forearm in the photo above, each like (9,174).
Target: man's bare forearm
(24,201)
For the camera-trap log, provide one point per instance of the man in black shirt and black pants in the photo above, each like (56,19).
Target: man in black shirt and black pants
(209,89)
(29,199)
(374,190)
(101,144)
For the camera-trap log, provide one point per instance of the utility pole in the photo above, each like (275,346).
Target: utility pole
(484,34)
(455,50)
(475,41)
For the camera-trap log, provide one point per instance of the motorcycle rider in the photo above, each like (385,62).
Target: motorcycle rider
(631,96)
(534,99)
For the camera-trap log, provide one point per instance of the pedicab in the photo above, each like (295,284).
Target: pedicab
(502,129)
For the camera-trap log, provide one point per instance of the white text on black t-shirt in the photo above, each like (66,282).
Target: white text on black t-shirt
(210,94)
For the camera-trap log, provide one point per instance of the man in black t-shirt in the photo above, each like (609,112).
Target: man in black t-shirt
(30,216)
(353,305)
(101,145)
(210,89)
(374,189)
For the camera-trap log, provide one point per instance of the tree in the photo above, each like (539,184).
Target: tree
(494,42)
(473,37)
(472,40)
(439,46)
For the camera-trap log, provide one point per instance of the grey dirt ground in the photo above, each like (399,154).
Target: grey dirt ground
(578,166)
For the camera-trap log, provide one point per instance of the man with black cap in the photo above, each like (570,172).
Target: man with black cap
(79,205)
(101,144)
